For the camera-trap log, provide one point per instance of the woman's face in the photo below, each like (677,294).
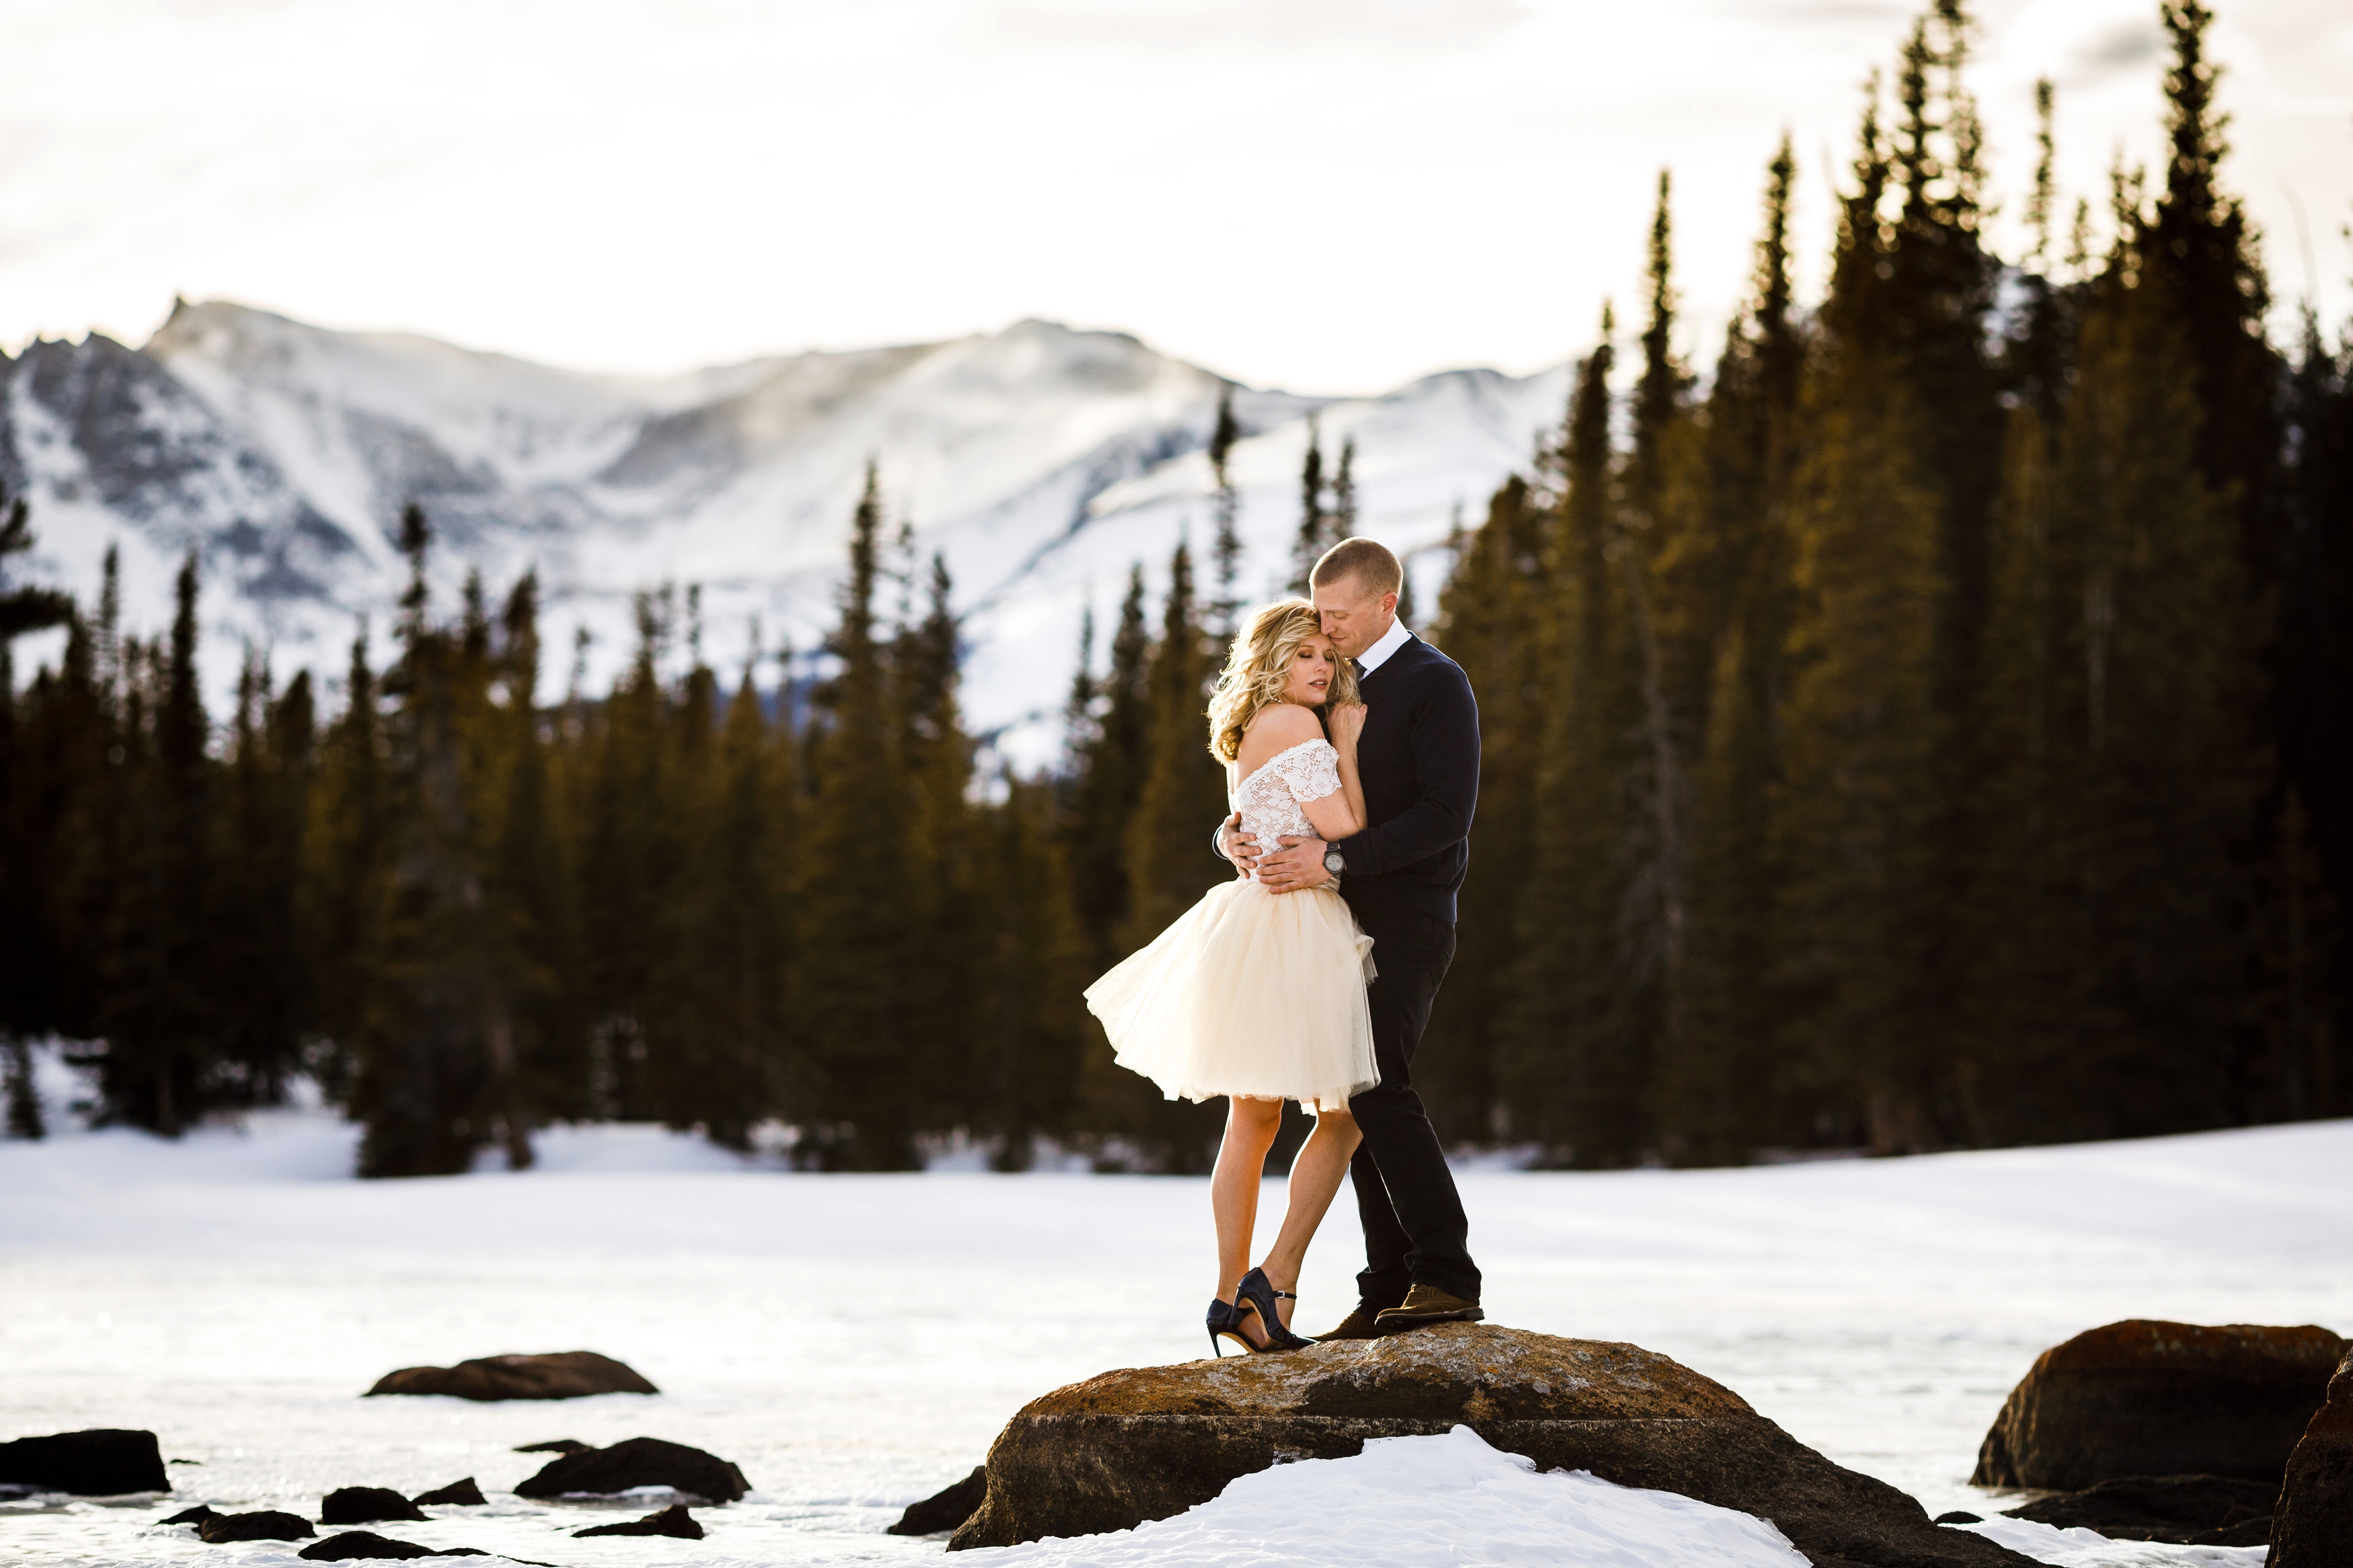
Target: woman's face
(1310,672)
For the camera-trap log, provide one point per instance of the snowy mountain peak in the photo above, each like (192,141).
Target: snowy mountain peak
(1041,461)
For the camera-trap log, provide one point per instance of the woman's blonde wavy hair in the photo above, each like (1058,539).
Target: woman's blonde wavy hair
(1258,672)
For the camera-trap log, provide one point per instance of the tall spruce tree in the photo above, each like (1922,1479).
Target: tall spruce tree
(856,947)
(1226,554)
(1315,517)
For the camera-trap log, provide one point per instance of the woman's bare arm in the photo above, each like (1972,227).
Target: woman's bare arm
(1342,815)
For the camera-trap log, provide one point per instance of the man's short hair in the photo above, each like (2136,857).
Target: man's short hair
(1376,570)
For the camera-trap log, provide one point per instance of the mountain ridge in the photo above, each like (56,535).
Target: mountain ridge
(1041,461)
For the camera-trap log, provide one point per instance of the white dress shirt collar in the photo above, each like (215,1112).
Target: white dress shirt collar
(1373,657)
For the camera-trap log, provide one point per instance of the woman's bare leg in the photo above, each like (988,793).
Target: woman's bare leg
(1315,1177)
(1250,1127)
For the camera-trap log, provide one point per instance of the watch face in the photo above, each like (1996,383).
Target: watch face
(1331,861)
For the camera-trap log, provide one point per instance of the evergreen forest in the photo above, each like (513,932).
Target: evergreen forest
(1926,727)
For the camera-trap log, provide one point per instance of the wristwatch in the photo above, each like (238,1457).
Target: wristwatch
(1334,864)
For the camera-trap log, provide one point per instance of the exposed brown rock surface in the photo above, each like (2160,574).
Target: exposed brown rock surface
(566,1374)
(2144,1397)
(1115,1450)
(2311,1523)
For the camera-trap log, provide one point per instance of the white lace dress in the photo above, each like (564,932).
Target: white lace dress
(1250,993)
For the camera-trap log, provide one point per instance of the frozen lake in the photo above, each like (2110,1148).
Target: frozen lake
(853,1343)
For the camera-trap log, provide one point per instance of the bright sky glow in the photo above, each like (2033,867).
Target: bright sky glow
(1329,195)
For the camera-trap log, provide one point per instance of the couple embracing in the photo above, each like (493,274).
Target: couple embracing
(1351,750)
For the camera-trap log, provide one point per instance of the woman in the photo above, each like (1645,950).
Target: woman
(1260,996)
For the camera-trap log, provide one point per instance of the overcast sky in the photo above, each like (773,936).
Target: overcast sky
(1331,195)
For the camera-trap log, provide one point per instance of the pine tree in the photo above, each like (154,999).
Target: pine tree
(2128,774)
(1493,619)
(1227,555)
(1853,823)
(347,884)
(1170,865)
(1342,523)
(1574,1066)
(159,1070)
(1110,760)
(1314,530)
(854,945)
(1737,588)
(424,1077)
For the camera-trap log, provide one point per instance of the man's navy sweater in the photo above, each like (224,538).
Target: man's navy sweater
(1419,760)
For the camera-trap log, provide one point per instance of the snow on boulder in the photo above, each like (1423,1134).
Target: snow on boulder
(2144,1397)
(566,1374)
(2311,1523)
(1125,1447)
(101,1462)
(638,1462)
(1439,1501)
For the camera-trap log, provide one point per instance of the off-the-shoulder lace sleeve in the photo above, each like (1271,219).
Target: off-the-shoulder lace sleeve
(1312,769)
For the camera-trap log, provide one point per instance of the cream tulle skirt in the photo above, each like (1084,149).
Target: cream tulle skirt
(1248,992)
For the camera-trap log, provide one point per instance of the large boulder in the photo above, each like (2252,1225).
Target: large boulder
(2148,1398)
(638,1462)
(461,1493)
(2311,1523)
(567,1375)
(1115,1450)
(366,1505)
(2186,1510)
(103,1462)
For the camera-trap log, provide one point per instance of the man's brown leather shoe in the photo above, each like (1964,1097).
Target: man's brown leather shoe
(1359,1324)
(1426,1304)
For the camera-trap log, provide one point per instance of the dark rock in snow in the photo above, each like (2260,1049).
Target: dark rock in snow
(1115,1450)
(357,1545)
(353,1546)
(638,1462)
(2186,1510)
(560,1445)
(460,1494)
(2144,1397)
(947,1508)
(1957,1516)
(366,1505)
(103,1462)
(266,1525)
(568,1375)
(671,1521)
(2311,1523)
(195,1515)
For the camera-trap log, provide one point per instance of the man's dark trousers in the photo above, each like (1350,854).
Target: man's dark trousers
(1404,1188)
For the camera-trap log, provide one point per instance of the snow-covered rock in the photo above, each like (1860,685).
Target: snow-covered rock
(1041,462)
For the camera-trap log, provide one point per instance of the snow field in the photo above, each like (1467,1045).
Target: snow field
(855,1341)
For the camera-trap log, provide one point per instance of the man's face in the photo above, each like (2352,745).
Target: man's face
(1353,618)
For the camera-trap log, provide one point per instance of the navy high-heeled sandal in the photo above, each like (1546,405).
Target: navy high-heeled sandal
(1257,1293)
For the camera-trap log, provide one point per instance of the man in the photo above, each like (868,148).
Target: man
(1418,758)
